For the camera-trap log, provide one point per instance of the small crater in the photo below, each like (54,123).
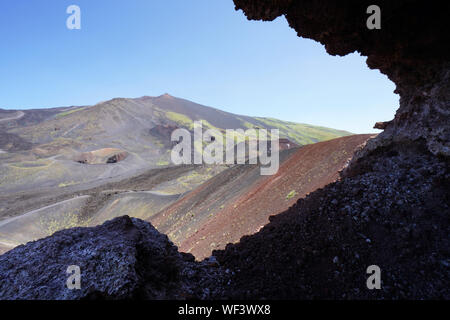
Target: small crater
(101,156)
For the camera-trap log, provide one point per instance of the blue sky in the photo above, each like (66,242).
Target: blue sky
(200,50)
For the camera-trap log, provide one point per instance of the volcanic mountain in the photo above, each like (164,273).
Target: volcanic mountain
(80,166)
(51,147)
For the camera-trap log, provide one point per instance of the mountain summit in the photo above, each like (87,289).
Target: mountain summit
(60,146)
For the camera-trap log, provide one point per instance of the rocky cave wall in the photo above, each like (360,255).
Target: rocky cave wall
(407,49)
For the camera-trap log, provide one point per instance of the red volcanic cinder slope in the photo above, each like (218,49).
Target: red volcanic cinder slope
(239,201)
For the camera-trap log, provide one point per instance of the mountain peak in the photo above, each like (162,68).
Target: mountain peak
(166,95)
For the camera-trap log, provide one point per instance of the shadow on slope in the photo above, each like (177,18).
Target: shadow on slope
(392,212)
(239,201)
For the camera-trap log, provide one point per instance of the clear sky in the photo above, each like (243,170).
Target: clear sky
(200,50)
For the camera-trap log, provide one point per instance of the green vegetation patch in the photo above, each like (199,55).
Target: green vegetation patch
(66,113)
(162,163)
(291,194)
(180,119)
(303,134)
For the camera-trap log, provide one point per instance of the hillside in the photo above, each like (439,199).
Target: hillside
(239,201)
(83,165)
(59,146)
(200,208)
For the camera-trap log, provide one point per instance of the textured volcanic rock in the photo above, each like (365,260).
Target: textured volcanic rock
(122,259)
(239,201)
(395,214)
(163,132)
(411,48)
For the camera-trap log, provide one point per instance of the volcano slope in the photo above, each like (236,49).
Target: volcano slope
(50,210)
(49,156)
(121,248)
(90,145)
(392,212)
(190,221)
(239,201)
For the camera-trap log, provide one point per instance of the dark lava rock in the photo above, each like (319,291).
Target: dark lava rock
(321,247)
(124,258)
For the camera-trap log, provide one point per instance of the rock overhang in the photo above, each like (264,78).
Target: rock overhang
(411,48)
